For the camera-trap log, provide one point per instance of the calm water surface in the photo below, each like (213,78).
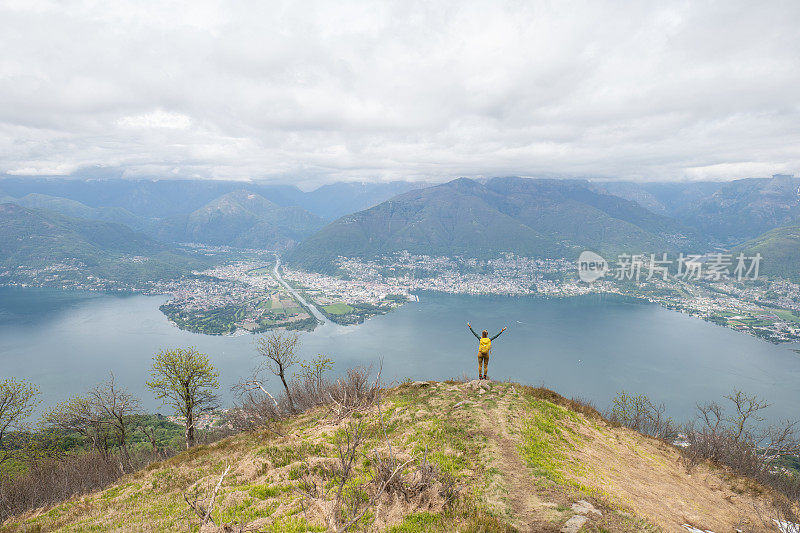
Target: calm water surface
(590,347)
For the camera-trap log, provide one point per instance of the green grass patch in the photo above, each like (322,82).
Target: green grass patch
(264,492)
(281,456)
(113,492)
(296,472)
(418,522)
(243,512)
(338,309)
(292,524)
(544,437)
(788,315)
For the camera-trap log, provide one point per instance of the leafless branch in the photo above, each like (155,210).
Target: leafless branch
(205,513)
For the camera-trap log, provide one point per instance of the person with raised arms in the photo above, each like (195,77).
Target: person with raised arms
(484,349)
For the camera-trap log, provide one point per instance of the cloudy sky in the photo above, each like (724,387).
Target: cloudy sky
(315,92)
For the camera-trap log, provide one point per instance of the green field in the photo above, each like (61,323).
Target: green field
(338,309)
(788,315)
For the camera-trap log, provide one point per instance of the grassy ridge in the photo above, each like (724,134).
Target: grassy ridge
(520,459)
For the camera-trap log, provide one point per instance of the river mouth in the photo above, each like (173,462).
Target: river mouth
(311,307)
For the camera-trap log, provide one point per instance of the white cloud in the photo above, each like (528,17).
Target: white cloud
(44,170)
(156,119)
(318,91)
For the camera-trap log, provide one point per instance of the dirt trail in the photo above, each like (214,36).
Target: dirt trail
(529,511)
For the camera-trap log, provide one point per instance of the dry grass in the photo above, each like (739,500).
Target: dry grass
(518,457)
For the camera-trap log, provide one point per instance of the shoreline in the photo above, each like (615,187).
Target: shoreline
(619,296)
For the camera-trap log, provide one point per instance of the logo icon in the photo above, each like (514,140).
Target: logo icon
(591,266)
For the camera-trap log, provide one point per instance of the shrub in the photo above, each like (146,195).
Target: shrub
(639,413)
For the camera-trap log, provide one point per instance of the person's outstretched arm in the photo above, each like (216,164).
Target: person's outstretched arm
(493,338)
(473,331)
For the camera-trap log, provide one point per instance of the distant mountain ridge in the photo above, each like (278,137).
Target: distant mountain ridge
(744,209)
(168,198)
(532,217)
(242,219)
(669,199)
(38,239)
(528,217)
(337,199)
(75,209)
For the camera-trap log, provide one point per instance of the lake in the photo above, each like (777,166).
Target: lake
(591,347)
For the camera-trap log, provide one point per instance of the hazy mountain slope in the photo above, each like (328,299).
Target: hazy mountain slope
(242,219)
(780,250)
(744,209)
(535,218)
(338,199)
(664,198)
(571,211)
(522,459)
(75,209)
(450,219)
(168,198)
(146,198)
(38,239)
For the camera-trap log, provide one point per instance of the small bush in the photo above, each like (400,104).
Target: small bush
(735,440)
(639,413)
(356,391)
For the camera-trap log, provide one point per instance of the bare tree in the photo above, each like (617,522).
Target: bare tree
(747,410)
(185,379)
(711,414)
(17,402)
(150,433)
(278,354)
(312,381)
(115,405)
(781,441)
(638,412)
(101,413)
(80,414)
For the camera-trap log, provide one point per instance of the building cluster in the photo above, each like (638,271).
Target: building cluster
(357,290)
(760,307)
(402,272)
(203,421)
(232,284)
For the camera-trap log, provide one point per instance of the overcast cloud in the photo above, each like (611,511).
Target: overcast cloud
(316,92)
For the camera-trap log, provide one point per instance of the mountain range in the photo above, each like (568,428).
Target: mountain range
(75,209)
(241,219)
(527,217)
(727,213)
(744,209)
(471,218)
(159,199)
(32,239)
